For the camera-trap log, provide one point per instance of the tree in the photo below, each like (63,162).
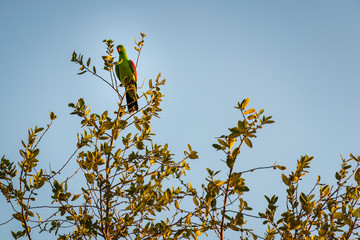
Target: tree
(126,191)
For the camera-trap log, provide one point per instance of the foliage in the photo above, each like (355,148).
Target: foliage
(332,213)
(132,188)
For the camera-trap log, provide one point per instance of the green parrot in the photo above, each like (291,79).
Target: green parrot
(126,72)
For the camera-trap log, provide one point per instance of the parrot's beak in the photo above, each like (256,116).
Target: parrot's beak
(119,49)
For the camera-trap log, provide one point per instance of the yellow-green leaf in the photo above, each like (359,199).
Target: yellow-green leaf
(357,176)
(252,110)
(338,215)
(196,202)
(245,103)
(285,180)
(248,142)
(177,205)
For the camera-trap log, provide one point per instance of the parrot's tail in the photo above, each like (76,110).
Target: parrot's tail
(131,103)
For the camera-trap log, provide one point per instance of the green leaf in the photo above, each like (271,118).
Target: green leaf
(193,155)
(356,213)
(235,152)
(196,202)
(222,142)
(230,161)
(248,142)
(357,176)
(325,190)
(73,57)
(241,126)
(76,196)
(104,138)
(189,146)
(338,215)
(337,176)
(177,205)
(52,116)
(140,145)
(210,172)
(216,146)
(137,126)
(285,180)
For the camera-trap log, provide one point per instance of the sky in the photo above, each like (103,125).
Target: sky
(298,60)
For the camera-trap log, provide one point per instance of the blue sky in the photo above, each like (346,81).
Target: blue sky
(299,60)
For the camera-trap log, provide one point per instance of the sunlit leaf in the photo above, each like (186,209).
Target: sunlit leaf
(248,142)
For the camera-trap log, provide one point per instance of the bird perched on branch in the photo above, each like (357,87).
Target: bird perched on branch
(126,72)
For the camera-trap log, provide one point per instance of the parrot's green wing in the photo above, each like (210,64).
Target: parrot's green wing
(126,73)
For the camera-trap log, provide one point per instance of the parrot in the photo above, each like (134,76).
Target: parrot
(126,72)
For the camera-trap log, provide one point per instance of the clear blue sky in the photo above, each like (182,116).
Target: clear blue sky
(299,60)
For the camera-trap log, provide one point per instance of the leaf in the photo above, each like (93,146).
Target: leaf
(52,116)
(356,213)
(222,142)
(74,55)
(76,196)
(252,110)
(196,202)
(248,142)
(235,152)
(251,117)
(231,142)
(269,122)
(357,176)
(106,57)
(81,72)
(38,217)
(285,180)
(193,155)
(177,205)
(338,215)
(280,167)
(189,147)
(230,161)
(245,103)
(235,130)
(150,84)
(303,199)
(337,176)
(158,76)
(88,62)
(140,145)
(241,126)
(216,146)
(137,126)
